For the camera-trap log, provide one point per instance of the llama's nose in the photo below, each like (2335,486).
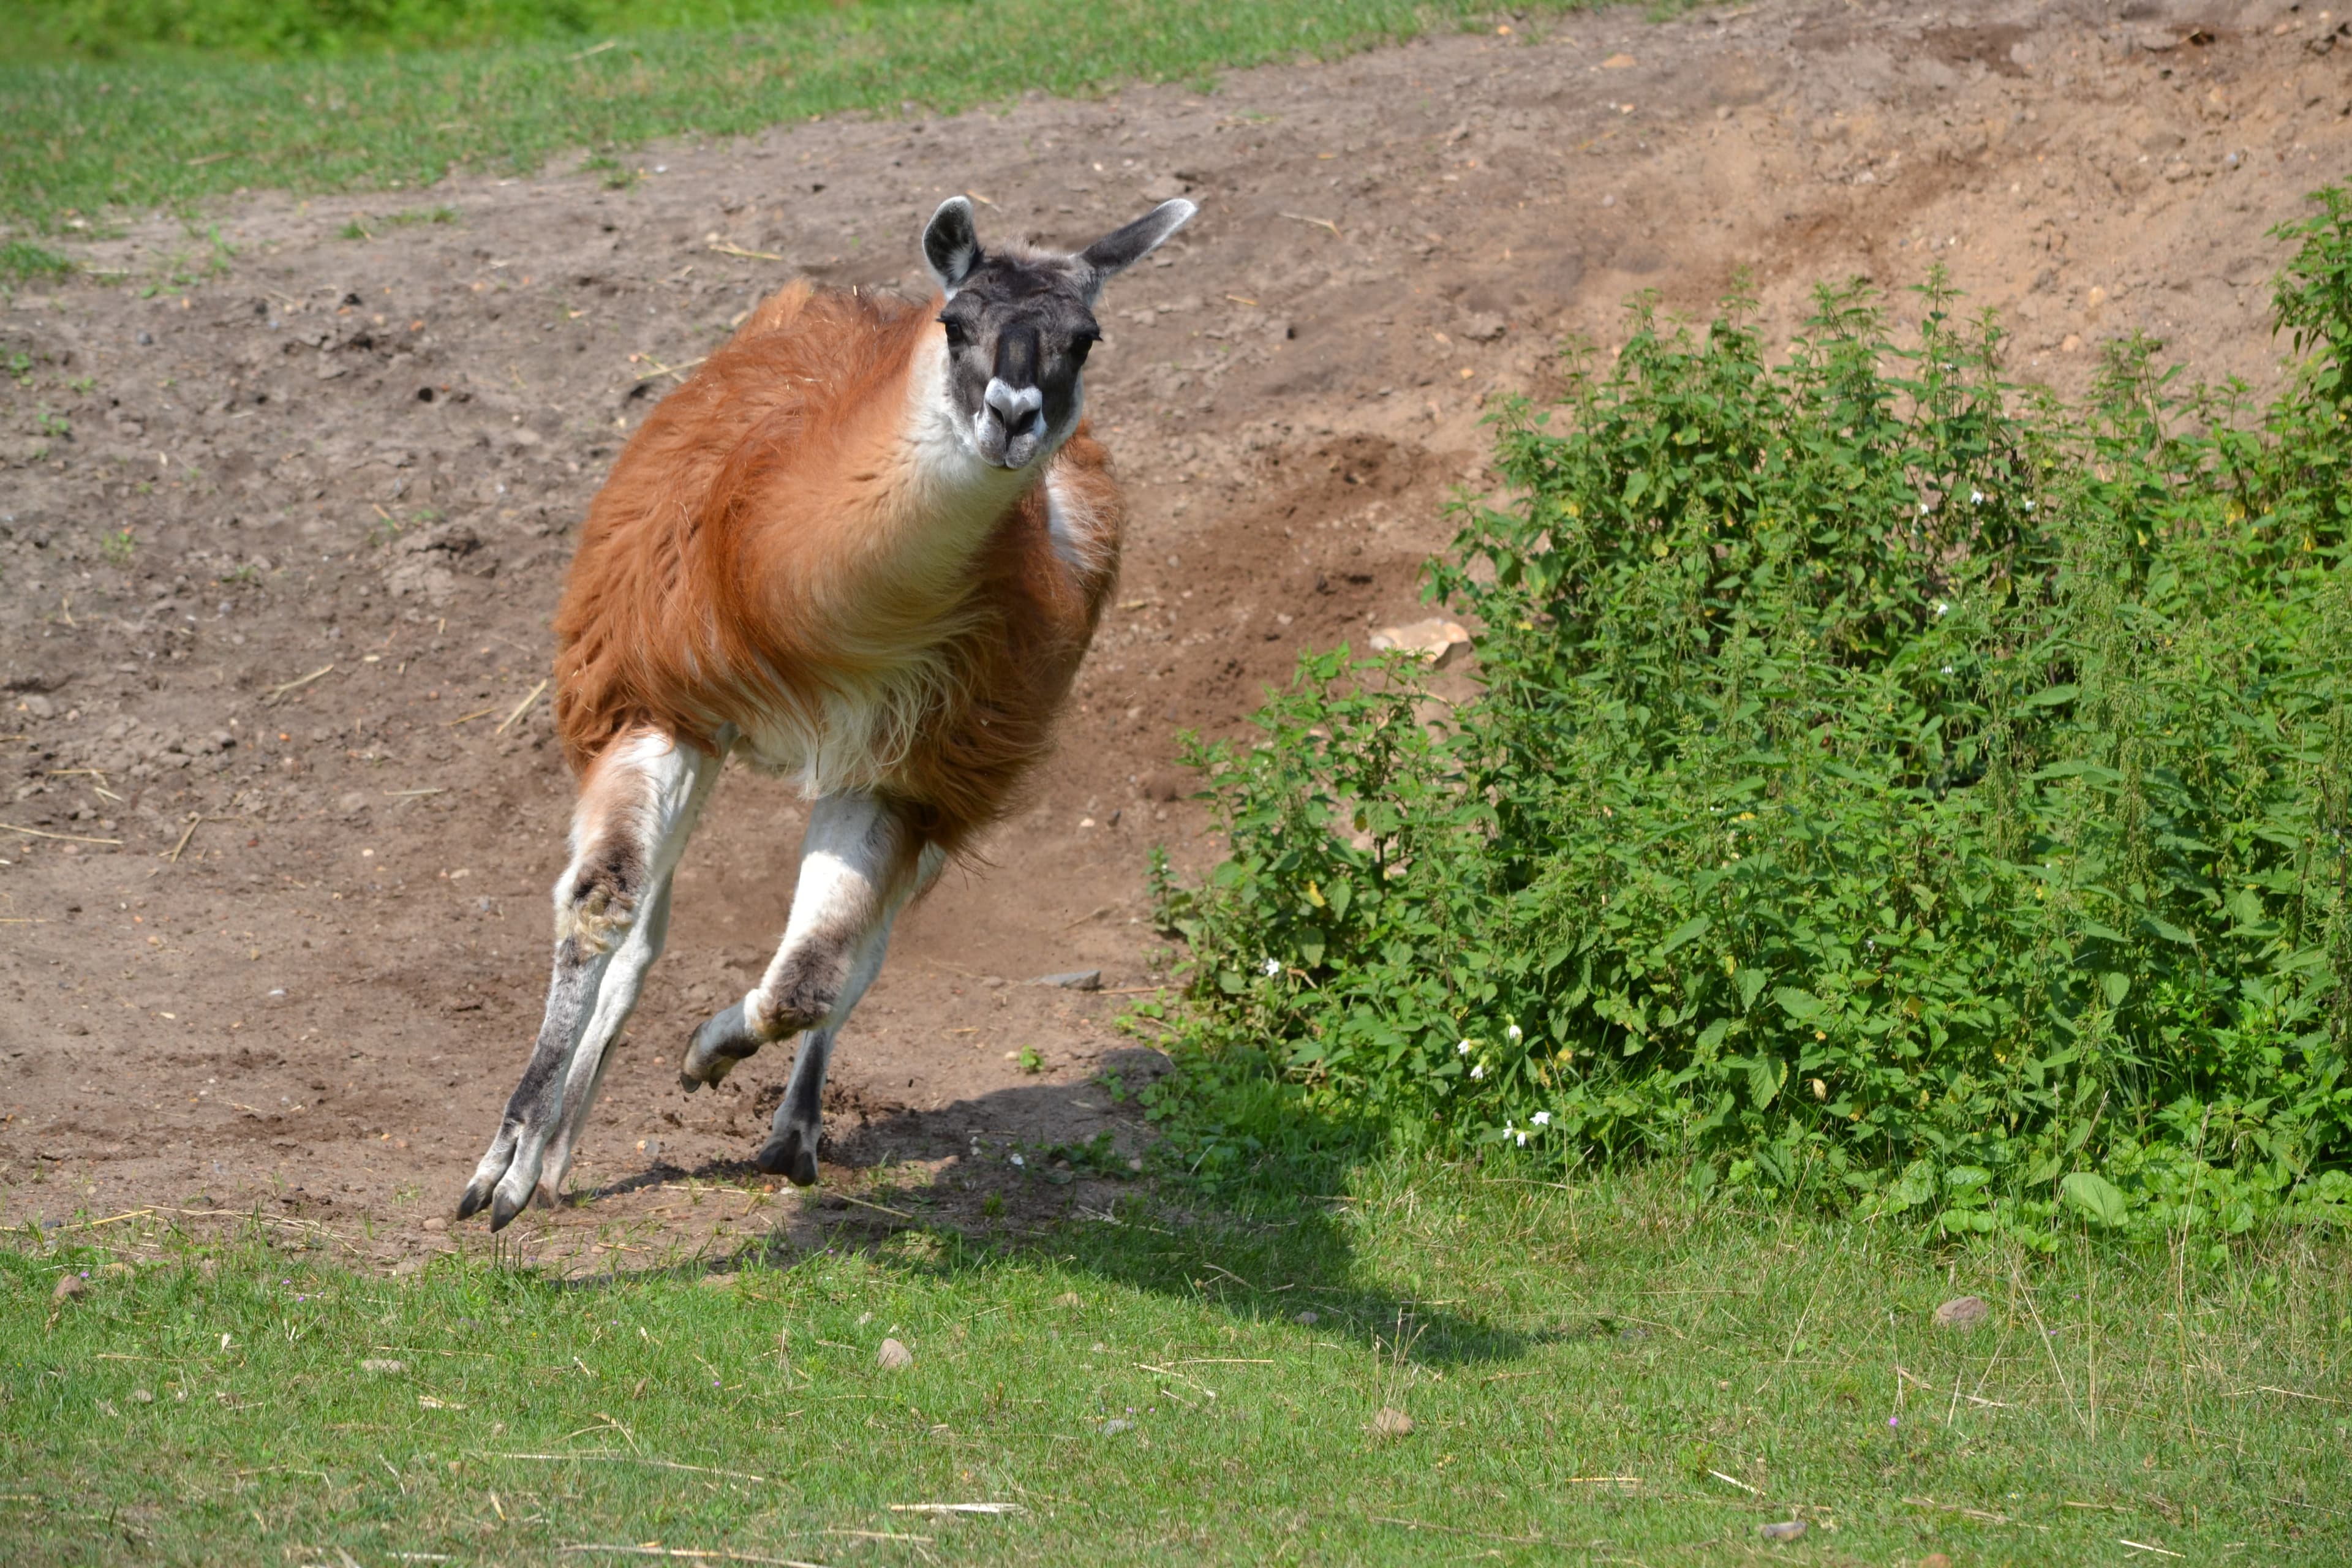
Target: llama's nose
(1016,407)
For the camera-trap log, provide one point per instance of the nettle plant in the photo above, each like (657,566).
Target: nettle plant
(1887,785)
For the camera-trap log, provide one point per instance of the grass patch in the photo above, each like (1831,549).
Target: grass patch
(294,29)
(80,135)
(24,263)
(1886,785)
(1205,1384)
(365,227)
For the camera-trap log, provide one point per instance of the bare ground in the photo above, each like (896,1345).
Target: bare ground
(362,460)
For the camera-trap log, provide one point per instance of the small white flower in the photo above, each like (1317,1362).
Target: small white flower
(1461,1048)
(1018,1160)
(1270,967)
(2029,506)
(1523,1140)
(1541,1119)
(1948,669)
(1923,509)
(1976,498)
(1513,1035)
(1940,608)
(1478,1070)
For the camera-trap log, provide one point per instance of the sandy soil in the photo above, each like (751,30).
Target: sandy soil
(367,457)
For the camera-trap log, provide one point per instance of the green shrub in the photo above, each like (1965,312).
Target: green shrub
(1886,785)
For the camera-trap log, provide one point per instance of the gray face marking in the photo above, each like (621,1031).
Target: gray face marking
(1019,325)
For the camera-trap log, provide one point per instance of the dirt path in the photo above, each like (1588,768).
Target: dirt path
(365,458)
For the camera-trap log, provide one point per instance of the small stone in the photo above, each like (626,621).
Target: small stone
(1962,1312)
(436,1225)
(1482,327)
(1072,980)
(354,801)
(1935,1560)
(1308,1318)
(1617,63)
(143,1396)
(72,1288)
(1391,1423)
(1438,641)
(1067,1299)
(405,1267)
(1781,1530)
(893,1356)
(383,1366)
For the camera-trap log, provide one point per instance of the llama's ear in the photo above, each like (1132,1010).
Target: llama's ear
(1123,247)
(950,244)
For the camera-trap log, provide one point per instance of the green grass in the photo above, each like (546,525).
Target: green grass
(116,30)
(79,136)
(23,263)
(202,1405)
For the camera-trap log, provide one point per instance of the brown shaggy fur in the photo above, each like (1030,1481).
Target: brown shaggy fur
(761,549)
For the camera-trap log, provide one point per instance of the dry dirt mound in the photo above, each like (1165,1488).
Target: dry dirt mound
(349,471)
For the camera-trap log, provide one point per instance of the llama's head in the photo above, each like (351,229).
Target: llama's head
(1019,324)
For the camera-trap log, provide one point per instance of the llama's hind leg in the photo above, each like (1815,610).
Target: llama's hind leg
(637,808)
(616,999)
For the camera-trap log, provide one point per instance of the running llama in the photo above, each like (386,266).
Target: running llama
(864,547)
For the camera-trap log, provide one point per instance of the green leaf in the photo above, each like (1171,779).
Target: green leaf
(1751,980)
(1688,930)
(2116,985)
(1802,1005)
(2094,1197)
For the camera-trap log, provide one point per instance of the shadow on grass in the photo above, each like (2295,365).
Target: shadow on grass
(1271,1244)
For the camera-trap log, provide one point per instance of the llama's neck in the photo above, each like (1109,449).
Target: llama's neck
(935,501)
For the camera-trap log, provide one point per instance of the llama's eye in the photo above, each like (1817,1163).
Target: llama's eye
(957,337)
(1081,342)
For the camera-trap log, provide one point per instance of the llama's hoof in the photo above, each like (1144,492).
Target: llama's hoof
(790,1154)
(715,1048)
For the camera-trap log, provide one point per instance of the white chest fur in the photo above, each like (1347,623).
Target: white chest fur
(926,513)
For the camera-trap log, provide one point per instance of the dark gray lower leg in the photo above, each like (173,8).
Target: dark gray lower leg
(791,1149)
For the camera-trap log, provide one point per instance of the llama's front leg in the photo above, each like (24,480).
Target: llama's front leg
(636,810)
(791,1148)
(860,861)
